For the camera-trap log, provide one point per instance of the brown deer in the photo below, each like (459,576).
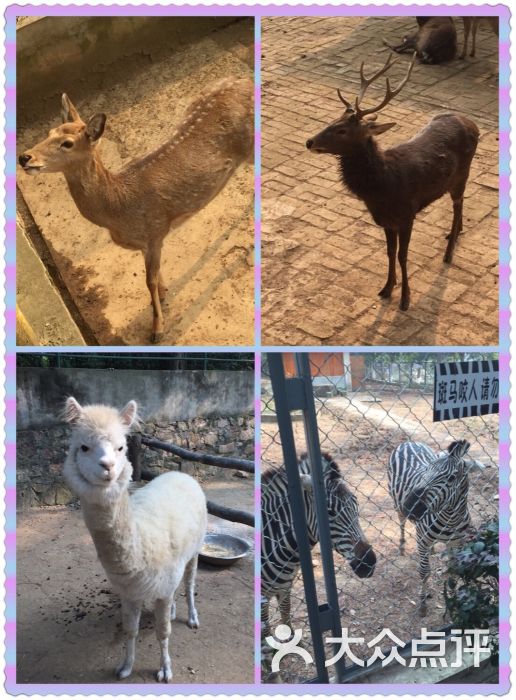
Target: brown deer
(471,25)
(140,204)
(434,42)
(398,183)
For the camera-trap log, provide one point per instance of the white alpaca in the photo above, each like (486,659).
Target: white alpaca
(146,542)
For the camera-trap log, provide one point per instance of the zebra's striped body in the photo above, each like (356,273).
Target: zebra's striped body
(431,490)
(280,560)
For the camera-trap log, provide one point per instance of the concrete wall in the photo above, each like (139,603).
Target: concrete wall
(57,54)
(207,411)
(162,395)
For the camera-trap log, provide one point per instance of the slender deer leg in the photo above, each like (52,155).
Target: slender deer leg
(402,520)
(162,611)
(130,622)
(190,570)
(405,233)
(455,229)
(392,245)
(162,288)
(474,27)
(467,28)
(152,264)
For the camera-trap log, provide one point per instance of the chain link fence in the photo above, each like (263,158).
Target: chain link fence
(367,404)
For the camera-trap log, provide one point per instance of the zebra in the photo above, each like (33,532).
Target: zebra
(431,490)
(280,560)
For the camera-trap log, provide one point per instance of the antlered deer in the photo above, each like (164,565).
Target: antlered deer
(398,183)
(434,42)
(140,204)
(471,25)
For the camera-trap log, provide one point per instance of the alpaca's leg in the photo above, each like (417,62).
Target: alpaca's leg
(162,610)
(190,571)
(130,622)
(173,610)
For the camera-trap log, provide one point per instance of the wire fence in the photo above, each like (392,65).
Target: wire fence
(366,406)
(142,360)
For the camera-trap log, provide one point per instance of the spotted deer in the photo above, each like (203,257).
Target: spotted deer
(398,183)
(156,193)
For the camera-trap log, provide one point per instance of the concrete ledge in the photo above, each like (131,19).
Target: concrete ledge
(41,315)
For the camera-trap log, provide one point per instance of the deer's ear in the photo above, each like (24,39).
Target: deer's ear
(376,129)
(68,111)
(95,126)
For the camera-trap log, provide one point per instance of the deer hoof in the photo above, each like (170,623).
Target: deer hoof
(404,304)
(447,259)
(385,293)
(157,337)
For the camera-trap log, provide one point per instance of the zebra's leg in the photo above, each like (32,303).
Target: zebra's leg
(284,607)
(264,607)
(402,520)
(424,573)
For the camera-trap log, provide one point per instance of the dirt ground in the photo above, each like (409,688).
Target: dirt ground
(360,432)
(68,627)
(207,262)
(311,226)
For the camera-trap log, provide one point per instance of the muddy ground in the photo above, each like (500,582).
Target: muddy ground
(68,628)
(207,262)
(325,237)
(361,431)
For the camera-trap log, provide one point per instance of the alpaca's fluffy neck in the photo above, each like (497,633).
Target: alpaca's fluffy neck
(114,533)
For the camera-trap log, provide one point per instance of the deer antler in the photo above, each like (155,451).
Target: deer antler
(365,82)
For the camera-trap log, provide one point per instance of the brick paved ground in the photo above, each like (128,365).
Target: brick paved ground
(324,260)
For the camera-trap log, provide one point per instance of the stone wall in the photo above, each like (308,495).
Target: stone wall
(224,423)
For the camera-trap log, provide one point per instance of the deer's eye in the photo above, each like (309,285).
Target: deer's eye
(120,448)
(84,448)
(67,144)
(343,132)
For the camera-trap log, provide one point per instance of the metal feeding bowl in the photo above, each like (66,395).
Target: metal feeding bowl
(223,550)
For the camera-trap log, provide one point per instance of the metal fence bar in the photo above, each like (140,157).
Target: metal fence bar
(314,451)
(284,400)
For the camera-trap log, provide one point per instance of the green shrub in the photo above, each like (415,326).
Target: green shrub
(471,591)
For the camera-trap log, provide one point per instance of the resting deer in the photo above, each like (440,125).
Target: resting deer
(140,204)
(398,183)
(471,25)
(434,42)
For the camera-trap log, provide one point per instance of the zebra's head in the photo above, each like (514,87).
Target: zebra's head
(443,482)
(346,534)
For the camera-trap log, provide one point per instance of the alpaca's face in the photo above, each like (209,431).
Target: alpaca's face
(98,444)
(101,456)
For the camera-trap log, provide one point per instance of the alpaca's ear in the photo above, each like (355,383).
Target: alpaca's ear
(128,413)
(72,411)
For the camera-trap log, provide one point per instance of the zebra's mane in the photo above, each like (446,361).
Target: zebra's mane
(330,468)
